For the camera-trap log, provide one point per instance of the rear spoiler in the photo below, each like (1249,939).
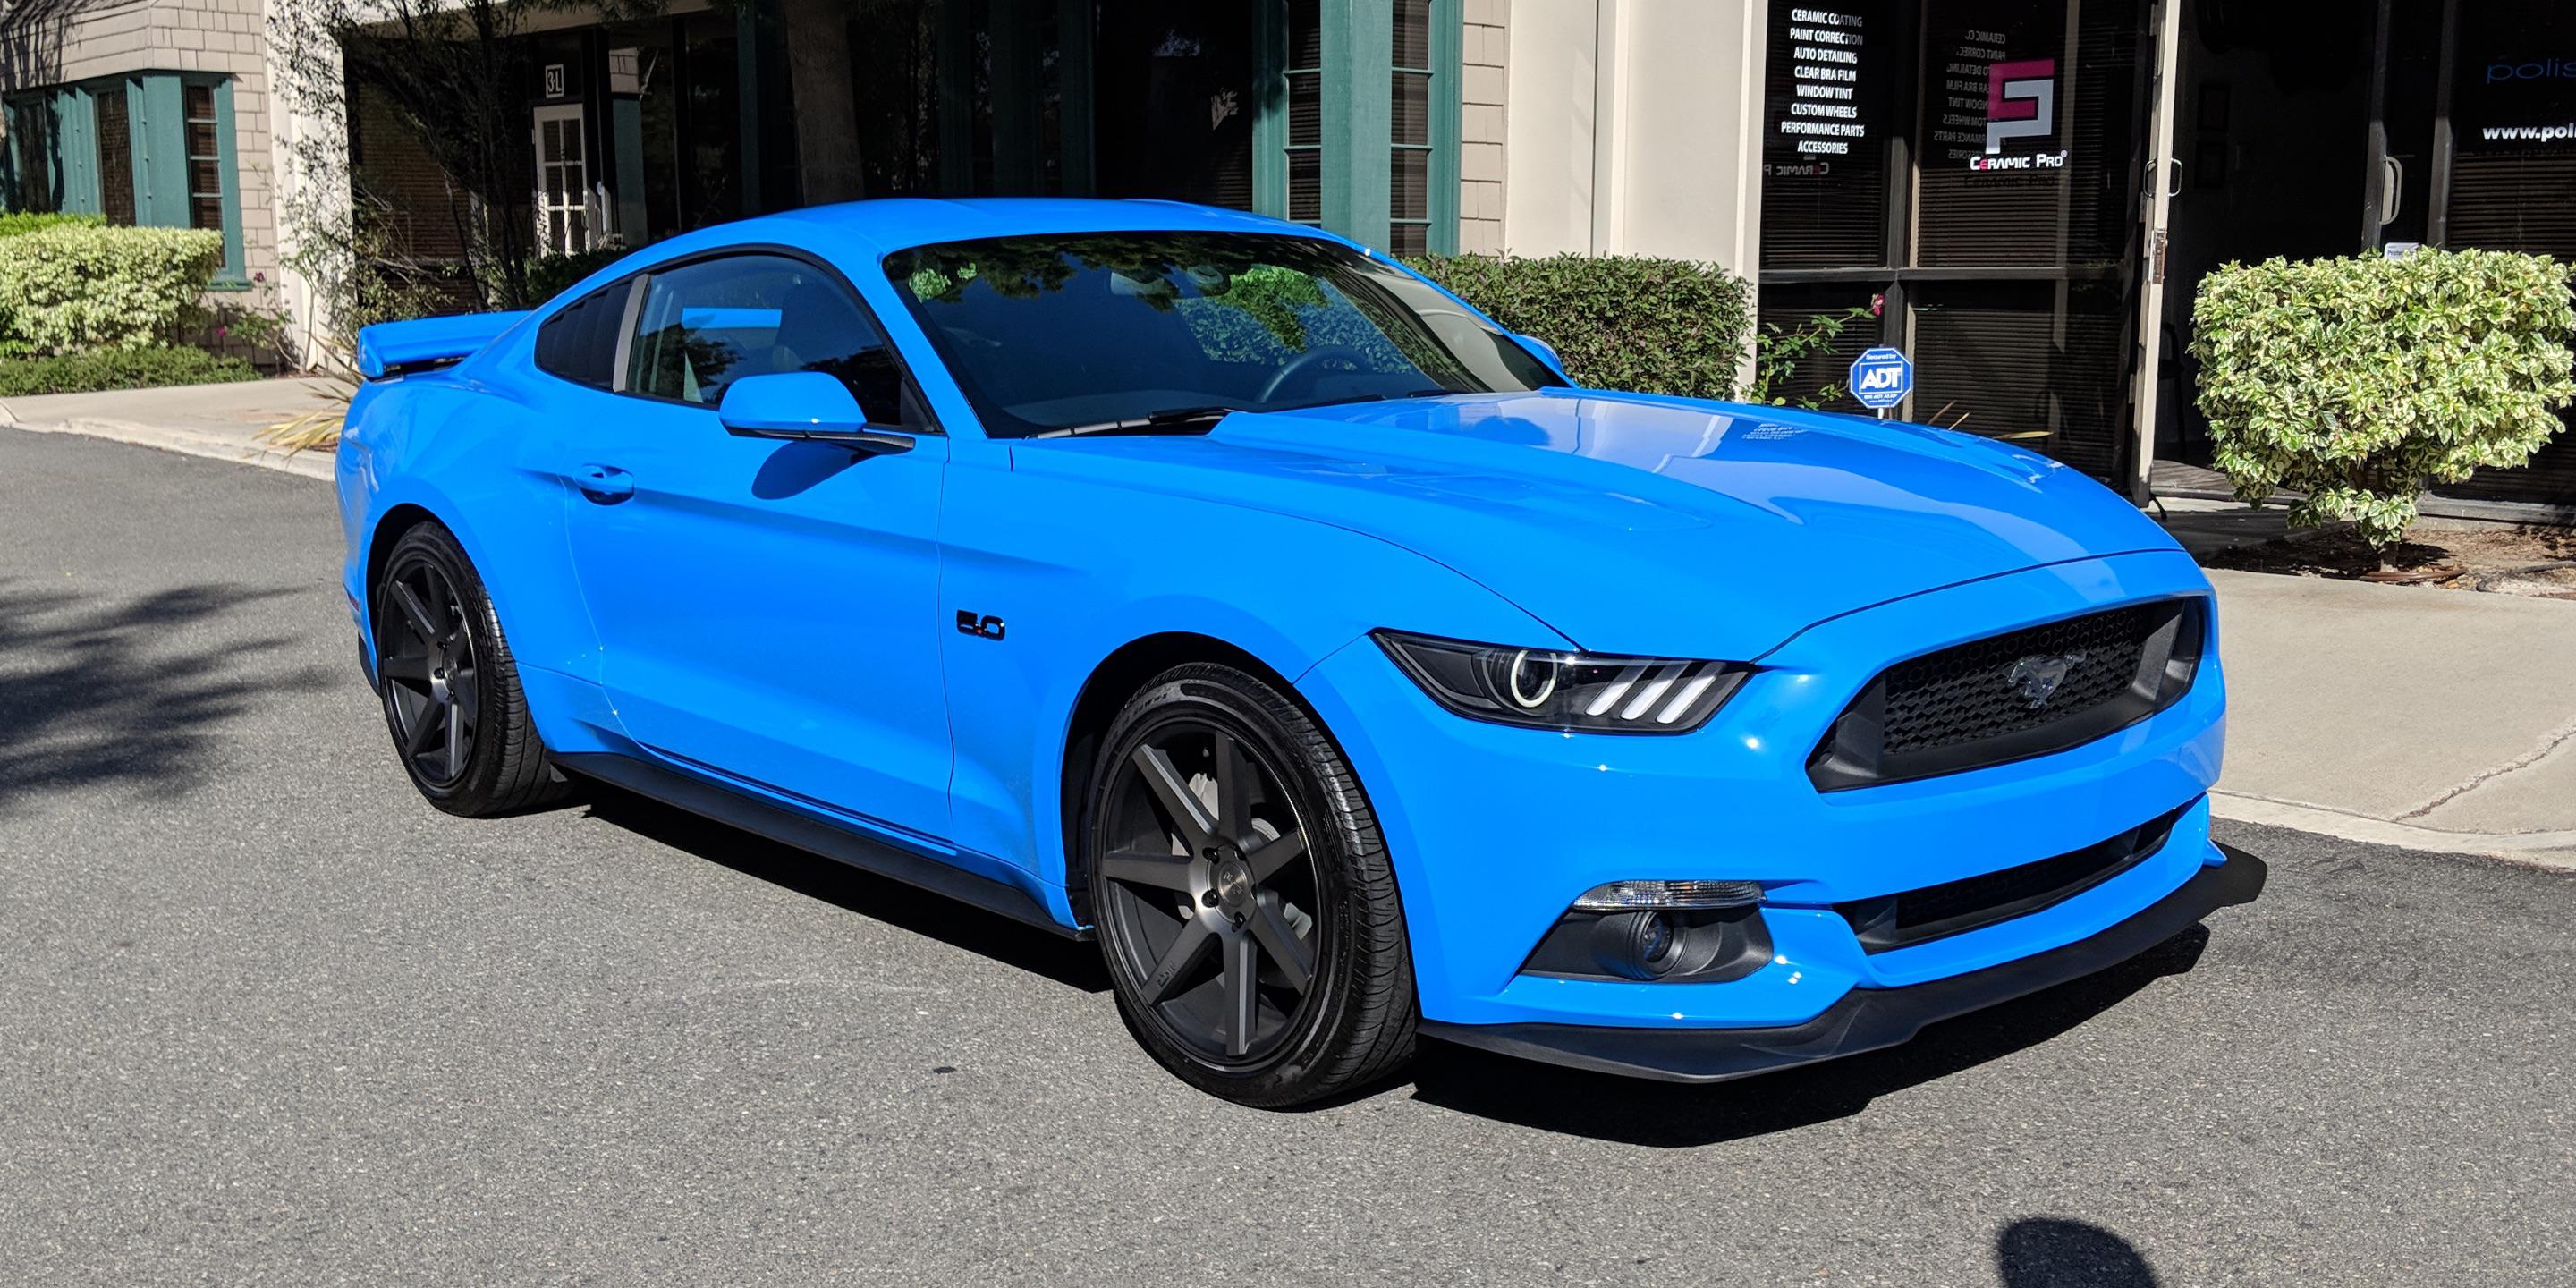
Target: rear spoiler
(402,348)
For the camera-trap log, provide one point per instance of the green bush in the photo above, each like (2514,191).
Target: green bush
(2359,381)
(79,286)
(1666,326)
(550,275)
(15,222)
(127,367)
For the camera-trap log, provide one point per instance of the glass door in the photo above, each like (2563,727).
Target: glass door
(1970,170)
(563,182)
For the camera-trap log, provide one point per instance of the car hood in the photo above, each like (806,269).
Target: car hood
(1636,524)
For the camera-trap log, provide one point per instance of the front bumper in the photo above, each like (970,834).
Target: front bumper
(1866,1019)
(1494,831)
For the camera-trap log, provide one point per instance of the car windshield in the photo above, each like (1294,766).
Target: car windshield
(1130,331)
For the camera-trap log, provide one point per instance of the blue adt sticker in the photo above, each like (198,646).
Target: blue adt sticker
(1881,377)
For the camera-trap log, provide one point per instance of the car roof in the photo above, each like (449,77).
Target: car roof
(893,223)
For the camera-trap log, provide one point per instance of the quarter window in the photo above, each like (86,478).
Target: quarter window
(705,325)
(579,343)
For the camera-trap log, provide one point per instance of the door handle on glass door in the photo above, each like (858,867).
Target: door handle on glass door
(605,484)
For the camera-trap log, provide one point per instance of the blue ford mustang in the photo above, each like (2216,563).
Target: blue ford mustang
(1216,588)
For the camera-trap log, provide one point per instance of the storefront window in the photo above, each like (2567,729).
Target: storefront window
(1831,83)
(1175,77)
(1409,157)
(711,163)
(1305,75)
(2031,132)
(2513,123)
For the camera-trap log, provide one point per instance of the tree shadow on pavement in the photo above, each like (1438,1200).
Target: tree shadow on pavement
(987,934)
(1665,1115)
(2044,1252)
(124,692)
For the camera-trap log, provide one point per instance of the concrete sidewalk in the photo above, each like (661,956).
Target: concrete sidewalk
(220,421)
(2402,715)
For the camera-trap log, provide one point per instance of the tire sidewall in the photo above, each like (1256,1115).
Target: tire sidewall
(1230,701)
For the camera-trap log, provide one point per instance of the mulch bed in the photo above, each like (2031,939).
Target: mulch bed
(2536,561)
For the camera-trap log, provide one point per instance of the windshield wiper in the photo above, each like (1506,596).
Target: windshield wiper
(1168,418)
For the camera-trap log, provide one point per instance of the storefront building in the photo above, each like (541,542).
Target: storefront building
(2035,187)
(1330,112)
(2028,190)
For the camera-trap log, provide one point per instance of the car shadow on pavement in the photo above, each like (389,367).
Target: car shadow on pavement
(128,692)
(1065,961)
(2046,1252)
(1669,1116)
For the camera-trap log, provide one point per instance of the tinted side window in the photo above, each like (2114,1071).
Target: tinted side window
(579,344)
(705,325)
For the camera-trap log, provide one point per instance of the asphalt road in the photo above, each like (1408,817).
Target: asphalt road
(266,1018)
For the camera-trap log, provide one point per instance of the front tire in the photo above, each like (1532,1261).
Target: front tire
(450,689)
(1243,895)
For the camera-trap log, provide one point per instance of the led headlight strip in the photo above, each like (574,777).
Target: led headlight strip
(1547,689)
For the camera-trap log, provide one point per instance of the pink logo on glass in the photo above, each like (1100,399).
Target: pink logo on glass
(2021,101)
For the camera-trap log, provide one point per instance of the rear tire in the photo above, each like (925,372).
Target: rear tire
(450,689)
(1243,894)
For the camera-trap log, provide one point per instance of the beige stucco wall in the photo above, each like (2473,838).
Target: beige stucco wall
(1632,126)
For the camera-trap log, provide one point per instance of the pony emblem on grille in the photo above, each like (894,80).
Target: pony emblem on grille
(2036,677)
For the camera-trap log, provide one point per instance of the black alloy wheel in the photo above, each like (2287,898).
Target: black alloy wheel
(451,691)
(433,694)
(1242,896)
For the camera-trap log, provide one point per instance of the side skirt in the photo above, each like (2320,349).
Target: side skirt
(788,827)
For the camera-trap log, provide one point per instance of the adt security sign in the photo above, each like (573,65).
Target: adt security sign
(1881,377)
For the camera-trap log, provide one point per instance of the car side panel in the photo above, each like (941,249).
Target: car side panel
(1078,562)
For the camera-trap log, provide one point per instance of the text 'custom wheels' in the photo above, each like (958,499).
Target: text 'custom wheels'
(1243,896)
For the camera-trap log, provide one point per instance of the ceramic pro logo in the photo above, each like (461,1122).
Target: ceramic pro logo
(2021,101)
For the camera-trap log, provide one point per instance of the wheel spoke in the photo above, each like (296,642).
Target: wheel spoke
(417,614)
(1242,1003)
(1178,800)
(1161,871)
(1274,855)
(423,733)
(1279,939)
(466,697)
(1234,783)
(1181,960)
(455,742)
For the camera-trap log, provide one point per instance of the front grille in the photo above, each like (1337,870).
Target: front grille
(1966,693)
(1956,907)
(2009,697)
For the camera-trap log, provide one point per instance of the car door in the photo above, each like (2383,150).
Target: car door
(766,609)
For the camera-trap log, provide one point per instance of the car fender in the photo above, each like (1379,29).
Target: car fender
(430,443)
(1075,571)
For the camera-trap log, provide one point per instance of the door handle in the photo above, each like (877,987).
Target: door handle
(2392,191)
(605,484)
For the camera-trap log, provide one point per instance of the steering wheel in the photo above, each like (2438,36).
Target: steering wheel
(1306,362)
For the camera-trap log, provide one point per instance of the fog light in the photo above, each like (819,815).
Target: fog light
(1656,945)
(1622,896)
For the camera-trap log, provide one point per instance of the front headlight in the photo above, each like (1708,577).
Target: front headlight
(1546,689)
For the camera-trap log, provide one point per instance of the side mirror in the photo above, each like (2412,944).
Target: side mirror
(1544,352)
(806,405)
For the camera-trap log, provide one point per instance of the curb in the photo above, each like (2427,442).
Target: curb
(186,442)
(2542,849)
